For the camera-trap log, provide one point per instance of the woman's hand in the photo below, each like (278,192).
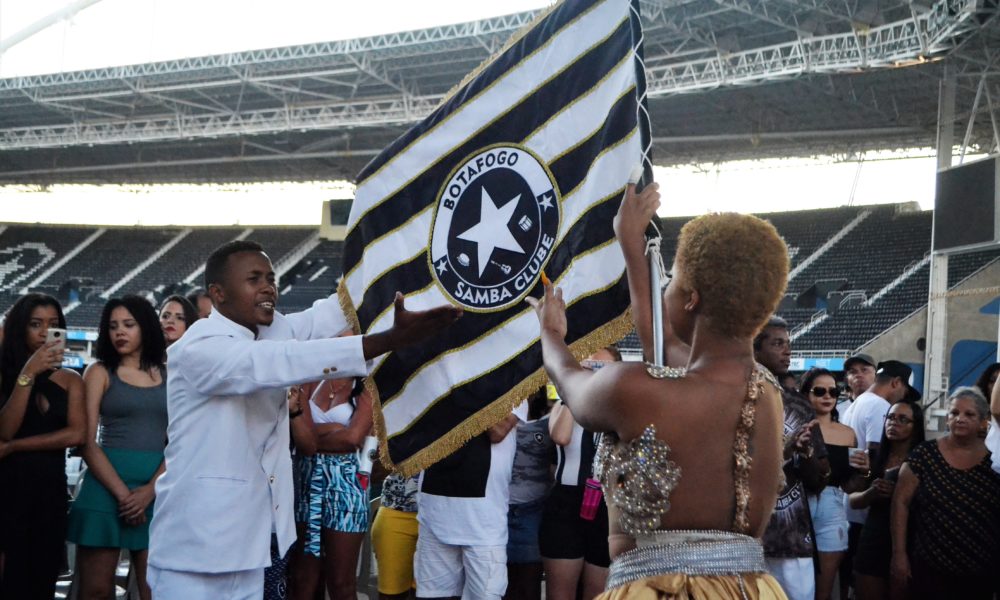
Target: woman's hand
(859,460)
(46,358)
(800,442)
(899,570)
(883,488)
(295,399)
(551,311)
(634,214)
(132,522)
(135,504)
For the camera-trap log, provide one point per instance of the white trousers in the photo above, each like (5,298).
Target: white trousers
(796,576)
(183,585)
(446,571)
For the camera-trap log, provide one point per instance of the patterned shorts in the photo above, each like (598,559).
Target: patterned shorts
(329,496)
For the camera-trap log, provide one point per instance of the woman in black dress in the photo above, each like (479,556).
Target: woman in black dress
(903,430)
(41,414)
(946,510)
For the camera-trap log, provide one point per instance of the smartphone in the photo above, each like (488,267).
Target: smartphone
(58,335)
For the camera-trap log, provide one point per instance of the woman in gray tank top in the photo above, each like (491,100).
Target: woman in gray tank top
(126,394)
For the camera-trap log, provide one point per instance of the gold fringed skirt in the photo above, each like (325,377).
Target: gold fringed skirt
(680,586)
(692,565)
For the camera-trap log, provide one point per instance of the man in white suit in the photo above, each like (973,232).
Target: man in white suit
(228,479)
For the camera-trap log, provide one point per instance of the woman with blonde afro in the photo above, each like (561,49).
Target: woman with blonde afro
(691,455)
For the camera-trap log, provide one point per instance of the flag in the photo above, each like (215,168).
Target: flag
(521,168)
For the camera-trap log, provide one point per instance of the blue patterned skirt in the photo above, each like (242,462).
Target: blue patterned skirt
(329,496)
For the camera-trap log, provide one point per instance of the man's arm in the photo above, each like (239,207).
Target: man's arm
(874,424)
(223,365)
(408,327)
(325,319)
(501,430)
(498,432)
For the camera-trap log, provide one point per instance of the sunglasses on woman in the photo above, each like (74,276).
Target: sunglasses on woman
(820,391)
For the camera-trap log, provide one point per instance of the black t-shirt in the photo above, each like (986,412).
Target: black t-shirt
(789,532)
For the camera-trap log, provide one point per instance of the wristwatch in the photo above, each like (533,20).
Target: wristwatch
(24,380)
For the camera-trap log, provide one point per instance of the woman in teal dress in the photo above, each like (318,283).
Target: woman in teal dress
(126,394)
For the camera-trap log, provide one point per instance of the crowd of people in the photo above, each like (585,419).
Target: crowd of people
(222,442)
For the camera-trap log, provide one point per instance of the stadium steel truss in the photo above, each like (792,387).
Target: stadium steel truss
(727,79)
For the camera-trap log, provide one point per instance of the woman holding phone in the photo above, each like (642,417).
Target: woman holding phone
(127,396)
(904,429)
(41,414)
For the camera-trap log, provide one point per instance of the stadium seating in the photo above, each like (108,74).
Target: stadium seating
(314,277)
(181,260)
(884,245)
(279,241)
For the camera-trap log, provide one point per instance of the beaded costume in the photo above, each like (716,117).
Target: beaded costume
(638,477)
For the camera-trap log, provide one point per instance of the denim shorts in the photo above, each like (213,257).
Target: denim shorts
(523,522)
(829,520)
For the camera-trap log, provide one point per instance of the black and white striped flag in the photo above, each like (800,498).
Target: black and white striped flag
(521,168)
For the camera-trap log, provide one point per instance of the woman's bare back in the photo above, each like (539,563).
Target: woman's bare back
(697,417)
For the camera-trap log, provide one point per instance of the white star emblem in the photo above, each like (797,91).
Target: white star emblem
(492,231)
(546,202)
(442,267)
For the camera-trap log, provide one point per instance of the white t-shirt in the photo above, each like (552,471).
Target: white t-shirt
(993,443)
(866,416)
(463,499)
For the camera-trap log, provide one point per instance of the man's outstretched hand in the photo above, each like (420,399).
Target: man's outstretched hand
(409,327)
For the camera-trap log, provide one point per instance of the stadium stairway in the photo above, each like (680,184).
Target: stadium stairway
(926,260)
(841,234)
(190,278)
(65,259)
(146,263)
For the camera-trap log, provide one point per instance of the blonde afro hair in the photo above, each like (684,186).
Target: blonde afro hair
(739,266)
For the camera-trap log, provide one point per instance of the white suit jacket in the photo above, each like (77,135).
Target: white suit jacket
(228,479)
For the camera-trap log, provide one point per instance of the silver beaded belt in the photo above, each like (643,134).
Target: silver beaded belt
(690,552)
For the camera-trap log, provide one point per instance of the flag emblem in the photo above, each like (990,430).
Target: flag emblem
(521,168)
(495,223)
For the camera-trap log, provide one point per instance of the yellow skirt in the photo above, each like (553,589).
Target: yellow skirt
(679,586)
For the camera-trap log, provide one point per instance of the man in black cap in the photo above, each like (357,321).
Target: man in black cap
(867,414)
(859,370)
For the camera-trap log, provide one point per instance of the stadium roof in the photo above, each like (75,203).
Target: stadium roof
(728,79)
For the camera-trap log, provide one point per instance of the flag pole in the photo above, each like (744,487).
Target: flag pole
(641,175)
(656,302)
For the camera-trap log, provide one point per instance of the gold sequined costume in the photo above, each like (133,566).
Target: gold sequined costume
(638,478)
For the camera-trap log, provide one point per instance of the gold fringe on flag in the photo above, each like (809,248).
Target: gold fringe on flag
(610,333)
